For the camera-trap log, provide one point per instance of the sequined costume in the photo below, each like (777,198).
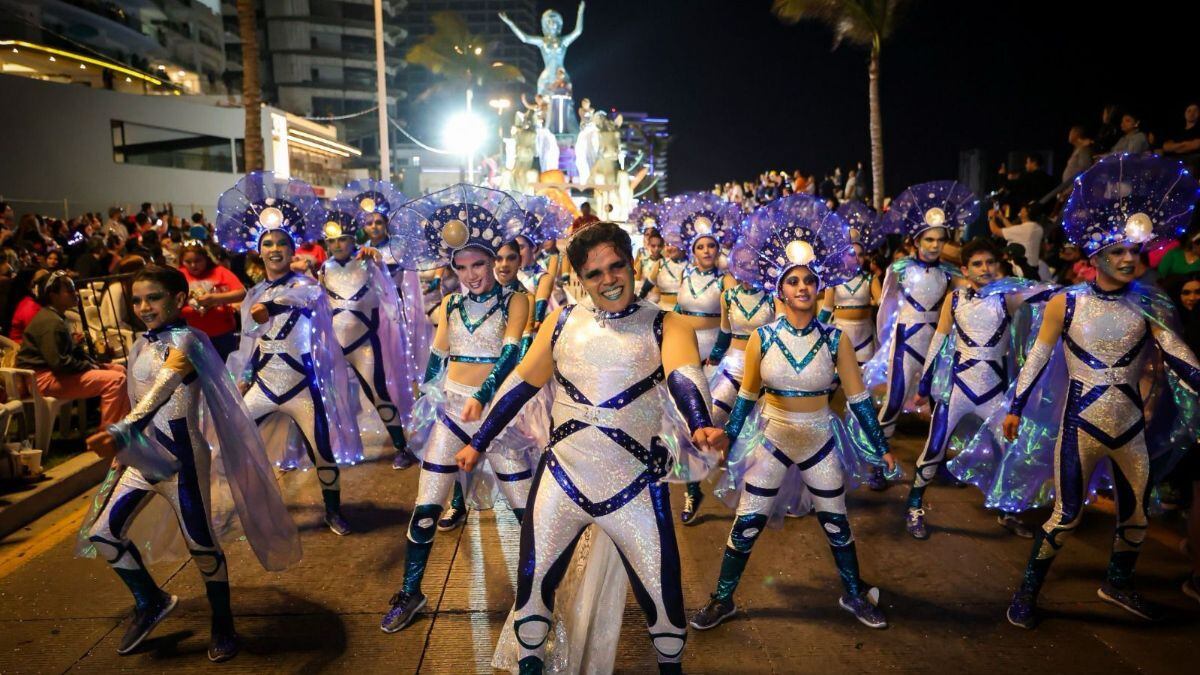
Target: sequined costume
(666,277)
(746,309)
(855,294)
(700,296)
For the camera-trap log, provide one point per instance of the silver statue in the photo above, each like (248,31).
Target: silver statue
(552,43)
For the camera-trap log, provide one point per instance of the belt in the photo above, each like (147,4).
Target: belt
(851,307)
(741,336)
(797,393)
(460,358)
(706,315)
(276,347)
(593,415)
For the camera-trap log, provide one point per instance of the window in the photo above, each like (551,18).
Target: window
(155,146)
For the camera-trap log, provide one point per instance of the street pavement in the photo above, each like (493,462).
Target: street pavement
(944,597)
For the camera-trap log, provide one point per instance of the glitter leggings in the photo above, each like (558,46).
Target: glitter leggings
(946,417)
(365,362)
(644,533)
(861,333)
(905,362)
(306,408)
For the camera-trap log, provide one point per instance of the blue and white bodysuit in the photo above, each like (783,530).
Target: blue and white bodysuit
(667,281)
(700,296)
(747,310)
(856,294)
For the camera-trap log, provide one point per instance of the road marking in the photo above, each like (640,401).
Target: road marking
(15,557)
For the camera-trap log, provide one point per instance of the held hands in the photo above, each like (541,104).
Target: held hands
(467,458)
(1011,424)
(891,461)
(102,443)
(920,400)
(367,252)
(711,440)
(260,313)
(472,410)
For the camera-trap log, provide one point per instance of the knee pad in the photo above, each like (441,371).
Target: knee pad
(209,562)
(532,631)
(328,475)
(668,645)
(112,551)
(746,530)
(388,413)
(837,528)
(424,523)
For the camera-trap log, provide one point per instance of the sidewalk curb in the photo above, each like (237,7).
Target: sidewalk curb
(66,481)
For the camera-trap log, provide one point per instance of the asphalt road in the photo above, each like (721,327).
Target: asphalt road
(945,597)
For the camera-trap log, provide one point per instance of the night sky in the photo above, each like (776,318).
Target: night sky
(746,93)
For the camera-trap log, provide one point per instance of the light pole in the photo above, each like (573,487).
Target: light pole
(385,154)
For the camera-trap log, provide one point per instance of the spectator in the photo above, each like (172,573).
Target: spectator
(6,215)
(92,263)
(1133,140)
(29,233)
(1028,232)
(1034,183)
(1183,259)
(1108,134)
(212,292)
(585,217)
(53,262)
(1143,272)
(61,366)
(25,306)
(1185,143)
(1080,160)
(1018,263)
(115,226)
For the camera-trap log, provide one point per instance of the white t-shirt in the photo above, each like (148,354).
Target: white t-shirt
(1029,235)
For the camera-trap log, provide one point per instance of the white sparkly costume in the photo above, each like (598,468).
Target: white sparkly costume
(855,294)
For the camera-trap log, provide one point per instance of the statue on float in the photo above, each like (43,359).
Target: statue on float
(552,44)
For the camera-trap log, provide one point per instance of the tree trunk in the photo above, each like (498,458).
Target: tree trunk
(251,89)
(876,132)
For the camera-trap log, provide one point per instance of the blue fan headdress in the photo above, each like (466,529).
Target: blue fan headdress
(794,231)
(646,215)
(461,216)
(940,203)
(1129,199)
(363,198)
(262,202)
(338,224)
(865,226)
(545,219)
(701,214)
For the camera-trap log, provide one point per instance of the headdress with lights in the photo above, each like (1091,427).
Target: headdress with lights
(864,225)
(940,203)
(461,216)
(545,219)
(1129,199)
(262,202)
(646,215)
(701,214)
(337,224)
(794,231)
(364,198)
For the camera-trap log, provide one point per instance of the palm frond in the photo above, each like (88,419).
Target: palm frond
(860,22)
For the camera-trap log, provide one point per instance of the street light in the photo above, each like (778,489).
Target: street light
(500,104)
(463,135)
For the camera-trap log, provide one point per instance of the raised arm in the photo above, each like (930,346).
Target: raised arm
(527,39)
(578,27)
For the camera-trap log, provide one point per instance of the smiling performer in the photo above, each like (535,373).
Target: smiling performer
(476,346)
(606,459)
(546,220)
(913,291)
(368,323)
(1109,329)
(290,365)
(793,250)
(700,223)
(974,333)
(850,303)
(182,395)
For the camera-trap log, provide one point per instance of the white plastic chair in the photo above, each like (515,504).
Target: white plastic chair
(21,386)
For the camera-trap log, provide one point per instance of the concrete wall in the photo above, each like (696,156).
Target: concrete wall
(57,144)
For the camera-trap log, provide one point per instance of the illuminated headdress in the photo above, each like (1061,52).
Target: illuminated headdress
(864,225)
(337,224)
(545,219)
(461,216)
(701,214)
(791,232)
(1129,199)
(940,203)
(646,215)
(261,202)
(364,198)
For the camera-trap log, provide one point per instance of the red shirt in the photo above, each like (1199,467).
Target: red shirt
(24,313)
(313,250)
(216,320)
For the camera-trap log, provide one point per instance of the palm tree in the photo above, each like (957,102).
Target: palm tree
(460,57)
(864,23)
(251,89)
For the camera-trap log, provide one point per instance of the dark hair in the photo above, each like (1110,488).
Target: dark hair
(170,278)
(976,246)
(652,233)
(141,218)
(513,243)
(145,205)
(595,235)
(149,238)
(1036,159)
(51,284)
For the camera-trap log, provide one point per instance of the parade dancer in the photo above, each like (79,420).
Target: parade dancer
(181,395)
(368,324)
(665,277)
(849,304)
(700,223)
(370,202)
(1109,330)
(649,255)
(546,221)
(476,345)
(798,362)
(606,458)
(975,329)
(913,291)
(290,366)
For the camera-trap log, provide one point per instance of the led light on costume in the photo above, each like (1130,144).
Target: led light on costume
(262,202)
(870,232)
(1099,363)
(693,217)
(913,292)
(545,220)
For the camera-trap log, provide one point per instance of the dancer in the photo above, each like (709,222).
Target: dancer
(977,372)
(913,291)
(368,325)
(289,366)
(606,457)
(1095,412)
(849,304)
(798,361)
(371,201)
(665,276)
(476,345)
(700,223)
(180,391)
(650,254)
(546,221)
